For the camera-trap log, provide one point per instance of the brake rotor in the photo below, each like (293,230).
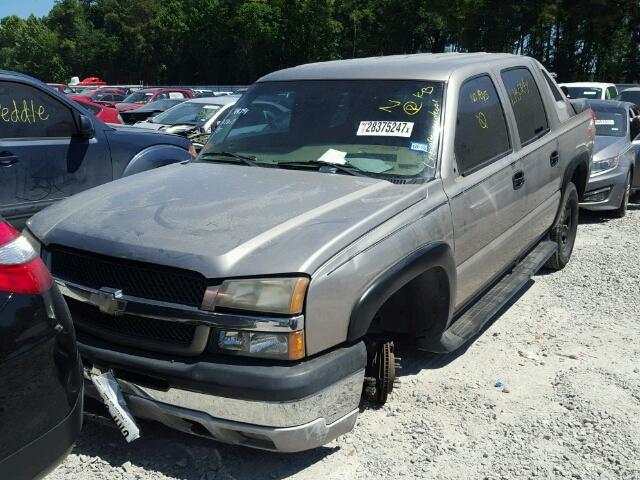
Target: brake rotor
(385,365)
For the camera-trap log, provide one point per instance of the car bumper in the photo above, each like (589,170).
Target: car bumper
(301,407)
(45,453)
(610,186)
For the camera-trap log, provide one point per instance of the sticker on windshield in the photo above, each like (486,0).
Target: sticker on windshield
(605,122)
(419,147)
(385,129)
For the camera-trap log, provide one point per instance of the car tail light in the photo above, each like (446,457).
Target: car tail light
(192,151)
(120,120)
(21,270)
(591,132)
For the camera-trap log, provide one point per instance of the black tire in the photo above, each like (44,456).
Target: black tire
(621,211)
(564,229)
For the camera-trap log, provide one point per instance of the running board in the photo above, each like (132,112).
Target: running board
(474,319)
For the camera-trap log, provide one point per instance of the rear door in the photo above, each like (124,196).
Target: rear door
(539,152)
(41,158)
(487,197)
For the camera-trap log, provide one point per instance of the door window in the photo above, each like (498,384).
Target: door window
(173,95)
(481,128)
(553,86)
(526,103)
(27,112)
(611,93)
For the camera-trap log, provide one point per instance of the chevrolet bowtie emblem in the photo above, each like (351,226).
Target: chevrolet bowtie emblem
(109,301)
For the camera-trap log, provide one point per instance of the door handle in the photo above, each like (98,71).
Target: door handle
(518,179)
(7,159)
(554,158)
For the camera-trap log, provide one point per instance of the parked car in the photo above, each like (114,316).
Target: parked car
(103,112)
(141,97)
(199,114)
(149,110)
(591,90)
(104,95)
(631,94)
(615,173)
(248,295)
(41,390)
(60,87)
(51,147)
(92,82)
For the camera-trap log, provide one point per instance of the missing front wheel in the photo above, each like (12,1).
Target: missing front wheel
(380,374)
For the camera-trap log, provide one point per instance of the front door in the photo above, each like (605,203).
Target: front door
(41,158)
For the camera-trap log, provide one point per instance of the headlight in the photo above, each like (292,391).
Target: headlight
(282,346)
(282,296)
(605,165)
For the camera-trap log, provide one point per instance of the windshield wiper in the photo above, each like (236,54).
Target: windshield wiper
(246,159)
(343,168)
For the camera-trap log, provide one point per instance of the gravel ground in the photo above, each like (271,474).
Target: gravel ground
(566,351)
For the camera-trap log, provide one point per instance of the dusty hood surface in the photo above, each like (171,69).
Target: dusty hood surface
(607,147)
(225,220)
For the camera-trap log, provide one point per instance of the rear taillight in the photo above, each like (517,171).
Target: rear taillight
(591,132)
(21,270)
(192,151)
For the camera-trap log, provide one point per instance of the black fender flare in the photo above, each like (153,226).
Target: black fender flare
(432,255)
(582,158)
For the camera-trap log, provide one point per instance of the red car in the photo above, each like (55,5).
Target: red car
(105,113)
(141,97)
(103,96)
(92,81)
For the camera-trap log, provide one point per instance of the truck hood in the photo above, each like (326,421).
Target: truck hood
(607,147)
(225,220)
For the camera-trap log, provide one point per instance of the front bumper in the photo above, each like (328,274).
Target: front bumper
(279,407)
(612,183)
(277,426)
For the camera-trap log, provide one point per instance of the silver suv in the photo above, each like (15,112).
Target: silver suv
(249,295)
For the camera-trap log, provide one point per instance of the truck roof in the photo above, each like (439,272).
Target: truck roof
(420,66)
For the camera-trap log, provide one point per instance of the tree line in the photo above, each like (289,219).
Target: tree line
(237,41)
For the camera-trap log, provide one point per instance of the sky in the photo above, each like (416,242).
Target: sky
(24,8)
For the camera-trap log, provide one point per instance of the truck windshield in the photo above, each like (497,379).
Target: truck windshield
(610,122)
(379,127)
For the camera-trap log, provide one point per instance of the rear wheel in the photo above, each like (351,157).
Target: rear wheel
(621,211)
(564,230)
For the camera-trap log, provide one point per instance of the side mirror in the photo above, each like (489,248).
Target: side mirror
(85,128)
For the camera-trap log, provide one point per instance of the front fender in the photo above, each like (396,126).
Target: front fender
(427,257)
(154,157)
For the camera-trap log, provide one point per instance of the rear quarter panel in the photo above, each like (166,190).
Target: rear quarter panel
(134,152)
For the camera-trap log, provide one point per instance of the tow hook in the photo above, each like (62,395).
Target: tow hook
(380,373)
